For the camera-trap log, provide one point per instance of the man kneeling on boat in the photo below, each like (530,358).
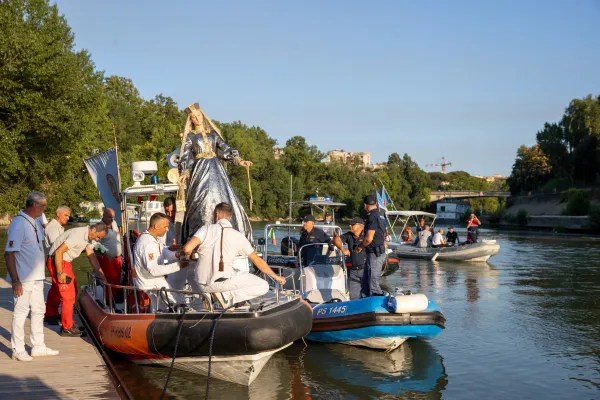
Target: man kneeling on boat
(218,246)
(153,260)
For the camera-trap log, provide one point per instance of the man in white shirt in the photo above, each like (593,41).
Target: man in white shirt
(219,246)
(65,249)
(56,227)
(153,260)
(24,254)
(438,239)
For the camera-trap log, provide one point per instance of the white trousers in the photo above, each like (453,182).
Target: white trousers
(242,287)
(31,299)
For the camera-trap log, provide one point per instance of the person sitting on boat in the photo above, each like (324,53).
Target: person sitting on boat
(153,260)
(424,238)
(65,249)
(438,239)
(407,235)
(311,234)
(328,219)
(473,224)
(452,237)
(219,245)
(420,228)
(352,239)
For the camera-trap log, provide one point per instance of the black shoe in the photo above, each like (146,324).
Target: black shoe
(73,332)
(52,320)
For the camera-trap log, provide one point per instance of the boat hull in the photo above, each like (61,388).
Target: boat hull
(369,323)
(243,369)
(248,339)
(481,251)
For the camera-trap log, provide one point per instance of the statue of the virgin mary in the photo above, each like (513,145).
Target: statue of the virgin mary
(200,166)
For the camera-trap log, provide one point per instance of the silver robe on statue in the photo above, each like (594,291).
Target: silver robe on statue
(208,184)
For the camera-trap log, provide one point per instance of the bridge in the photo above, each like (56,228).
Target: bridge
(464,194)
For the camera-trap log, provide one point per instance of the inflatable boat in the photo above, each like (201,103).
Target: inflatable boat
(480,251)
(380,322)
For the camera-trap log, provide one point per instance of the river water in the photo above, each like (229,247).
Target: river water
(524,325)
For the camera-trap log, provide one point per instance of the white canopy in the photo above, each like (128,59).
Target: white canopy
(410,214)
(316,203)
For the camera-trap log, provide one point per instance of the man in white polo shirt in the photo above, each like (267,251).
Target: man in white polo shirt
(55,228)
(153,260)
(24,254)
(65,249)
(220,245)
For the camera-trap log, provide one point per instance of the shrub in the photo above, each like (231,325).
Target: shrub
(497,215)
(522,218)
(578,202)
(594,218)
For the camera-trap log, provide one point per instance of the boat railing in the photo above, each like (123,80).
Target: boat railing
(109,302)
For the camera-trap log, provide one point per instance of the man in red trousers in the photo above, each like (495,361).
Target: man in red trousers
(65,249)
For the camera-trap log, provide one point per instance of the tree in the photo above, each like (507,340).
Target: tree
(50,105)
(530,169)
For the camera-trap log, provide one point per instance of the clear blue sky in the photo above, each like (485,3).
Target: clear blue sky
(468,80)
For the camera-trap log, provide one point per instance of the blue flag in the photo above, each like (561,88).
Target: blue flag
(385,197)
(103,169)
(380,201)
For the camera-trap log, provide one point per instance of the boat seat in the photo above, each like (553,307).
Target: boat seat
(325,270)
(324,295)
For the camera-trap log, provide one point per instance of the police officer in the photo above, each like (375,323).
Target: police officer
(374,245)
(328,219)
(352,239)
(311,234)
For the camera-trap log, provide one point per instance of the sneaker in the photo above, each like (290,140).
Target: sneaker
(43,351)
(21,356)
(73,332)
(52,320)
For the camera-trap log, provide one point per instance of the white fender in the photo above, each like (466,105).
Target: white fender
(401,304)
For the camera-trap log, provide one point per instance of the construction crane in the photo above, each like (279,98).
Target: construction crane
(444,164)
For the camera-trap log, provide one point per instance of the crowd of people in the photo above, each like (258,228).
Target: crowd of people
(426,238)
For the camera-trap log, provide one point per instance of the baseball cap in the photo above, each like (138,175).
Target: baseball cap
(370,200)
(308,218)
(357,220)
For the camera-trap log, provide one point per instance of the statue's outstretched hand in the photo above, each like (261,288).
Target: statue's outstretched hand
(245,163)
(183,178)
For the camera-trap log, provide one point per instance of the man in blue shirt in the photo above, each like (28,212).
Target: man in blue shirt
(374,245)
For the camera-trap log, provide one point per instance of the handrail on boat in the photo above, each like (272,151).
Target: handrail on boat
(93,282)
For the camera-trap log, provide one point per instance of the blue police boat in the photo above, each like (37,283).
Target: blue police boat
(380,322)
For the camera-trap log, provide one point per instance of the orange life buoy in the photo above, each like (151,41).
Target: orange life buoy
(406,235)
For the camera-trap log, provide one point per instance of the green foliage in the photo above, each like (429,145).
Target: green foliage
(93,213)
(567,152)
(594,217)
(578,202)
(522,218)
(497,216)
(56,109)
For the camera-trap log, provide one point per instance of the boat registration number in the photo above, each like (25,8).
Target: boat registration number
(121,331)
(331,310)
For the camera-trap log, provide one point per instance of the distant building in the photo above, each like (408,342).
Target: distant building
(491,178)
(277,152)
(379,165)
(451,210)
(345,156)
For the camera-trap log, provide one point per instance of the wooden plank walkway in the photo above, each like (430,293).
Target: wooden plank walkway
(78,372)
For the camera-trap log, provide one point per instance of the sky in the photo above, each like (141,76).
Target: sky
(467,80)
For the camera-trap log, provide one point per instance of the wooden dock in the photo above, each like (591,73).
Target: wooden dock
(78,372)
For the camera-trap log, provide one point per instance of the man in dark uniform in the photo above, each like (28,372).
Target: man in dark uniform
(452,237)
(352,239)
(311,234)
(328,219)
(374,245)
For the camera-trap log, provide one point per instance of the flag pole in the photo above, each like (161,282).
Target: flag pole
(123,212)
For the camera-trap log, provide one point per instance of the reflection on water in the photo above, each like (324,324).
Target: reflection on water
(525,325)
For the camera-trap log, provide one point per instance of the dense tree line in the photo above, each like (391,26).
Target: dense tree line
(566,153)
(56,109)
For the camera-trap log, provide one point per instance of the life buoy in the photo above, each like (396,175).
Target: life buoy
(406,235)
